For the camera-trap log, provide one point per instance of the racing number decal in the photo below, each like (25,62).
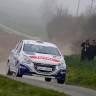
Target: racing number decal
(45,58)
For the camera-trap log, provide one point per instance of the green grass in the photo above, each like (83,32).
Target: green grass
(9,87)
(81,73)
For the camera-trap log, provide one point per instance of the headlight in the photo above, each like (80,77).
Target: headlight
(26,60)
(61,63)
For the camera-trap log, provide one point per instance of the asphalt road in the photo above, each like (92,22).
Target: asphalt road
(39,81)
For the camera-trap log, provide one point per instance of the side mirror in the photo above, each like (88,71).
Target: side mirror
(12,51)
(16,51)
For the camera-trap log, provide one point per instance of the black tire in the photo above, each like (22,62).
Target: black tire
(48,79)
(18,73)
(8,70)
(61,81)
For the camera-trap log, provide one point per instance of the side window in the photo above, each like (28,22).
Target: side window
(19,47)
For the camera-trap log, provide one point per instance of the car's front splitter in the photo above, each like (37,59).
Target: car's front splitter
(61,74)
(24,70)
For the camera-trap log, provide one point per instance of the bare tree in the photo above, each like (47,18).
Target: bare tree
(67,30)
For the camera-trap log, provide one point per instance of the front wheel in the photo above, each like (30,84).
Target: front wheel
(47,79)
(8,72)
(61,81)
(18,73)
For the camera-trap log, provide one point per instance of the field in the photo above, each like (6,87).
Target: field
(24,24)
(10,87)
(81,73)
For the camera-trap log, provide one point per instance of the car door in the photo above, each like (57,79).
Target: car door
(11,57)
(15,55)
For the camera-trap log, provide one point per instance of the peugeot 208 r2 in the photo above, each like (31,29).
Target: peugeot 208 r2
(31,57)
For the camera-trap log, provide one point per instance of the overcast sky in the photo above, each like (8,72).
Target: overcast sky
(70,4)
(36,5)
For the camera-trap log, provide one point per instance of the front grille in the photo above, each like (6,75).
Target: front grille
(44,66)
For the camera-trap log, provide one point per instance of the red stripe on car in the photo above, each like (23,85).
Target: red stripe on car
(45,58)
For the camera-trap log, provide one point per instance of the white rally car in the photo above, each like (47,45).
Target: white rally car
(31,57)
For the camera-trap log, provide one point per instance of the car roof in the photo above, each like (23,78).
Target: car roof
(39,42)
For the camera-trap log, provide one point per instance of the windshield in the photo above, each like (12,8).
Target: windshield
(41,49)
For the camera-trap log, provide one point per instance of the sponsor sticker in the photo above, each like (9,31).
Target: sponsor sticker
(45,58)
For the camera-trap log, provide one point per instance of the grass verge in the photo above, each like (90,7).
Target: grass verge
(9,87)
(81,73)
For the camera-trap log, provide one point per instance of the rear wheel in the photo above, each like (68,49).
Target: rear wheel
(61,81)
(47,79)
(8,71)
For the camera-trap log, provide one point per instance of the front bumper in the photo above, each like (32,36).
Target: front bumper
(26,70)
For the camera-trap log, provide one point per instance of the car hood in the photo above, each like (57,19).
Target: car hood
(44,58)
